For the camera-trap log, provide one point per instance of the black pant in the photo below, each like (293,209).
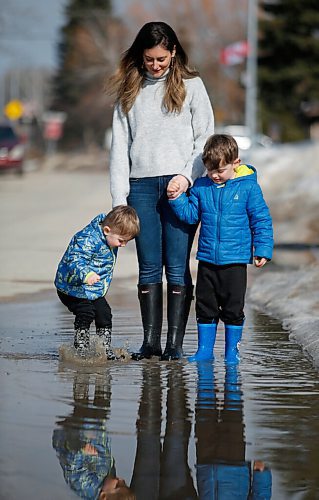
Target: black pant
(220,293)
(85,311)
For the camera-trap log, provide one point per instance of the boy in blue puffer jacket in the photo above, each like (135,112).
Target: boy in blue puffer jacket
(85,272)
(236,229)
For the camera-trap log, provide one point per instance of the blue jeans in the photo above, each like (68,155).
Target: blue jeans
(164,241)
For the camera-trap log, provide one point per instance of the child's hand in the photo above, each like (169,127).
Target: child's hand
(92,278)
(176,186)
(260,261)
(89,449)
(173,188)
(259,465)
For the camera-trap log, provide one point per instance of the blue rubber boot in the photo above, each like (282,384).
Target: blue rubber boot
(233,335)
(206,342)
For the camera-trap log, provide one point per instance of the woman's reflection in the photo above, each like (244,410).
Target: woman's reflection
(161,469)
(82,443)
(222,471)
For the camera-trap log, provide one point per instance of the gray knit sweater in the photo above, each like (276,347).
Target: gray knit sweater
(149,141)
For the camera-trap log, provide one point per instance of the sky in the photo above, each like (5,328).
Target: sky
(29,31)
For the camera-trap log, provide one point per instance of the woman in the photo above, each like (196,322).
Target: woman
(161,121)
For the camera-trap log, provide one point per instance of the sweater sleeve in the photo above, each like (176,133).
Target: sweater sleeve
(120,158)
(203,126)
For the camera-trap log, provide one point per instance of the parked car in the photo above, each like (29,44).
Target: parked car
(243,137)
(12,149)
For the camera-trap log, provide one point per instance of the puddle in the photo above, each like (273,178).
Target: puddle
(171,430)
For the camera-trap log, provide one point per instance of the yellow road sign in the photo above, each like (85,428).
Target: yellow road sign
(14,109)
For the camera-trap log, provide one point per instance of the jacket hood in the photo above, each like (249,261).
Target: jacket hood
(96,223)
(244,170)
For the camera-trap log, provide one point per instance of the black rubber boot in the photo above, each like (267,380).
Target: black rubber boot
(188,302)
(151,304)
(176,320)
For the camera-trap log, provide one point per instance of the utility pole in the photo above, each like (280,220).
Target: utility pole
(251,71)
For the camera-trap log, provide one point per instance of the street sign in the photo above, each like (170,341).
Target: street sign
(13,109)
(53,125)
(235,53)
(53,130)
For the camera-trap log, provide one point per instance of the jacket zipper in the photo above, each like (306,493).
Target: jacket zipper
(221,191)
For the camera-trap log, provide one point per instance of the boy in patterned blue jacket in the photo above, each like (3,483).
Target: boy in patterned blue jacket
(85,272)
(236,229)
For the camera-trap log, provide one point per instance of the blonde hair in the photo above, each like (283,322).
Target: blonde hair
(123,220)
(127,82)
(220,149)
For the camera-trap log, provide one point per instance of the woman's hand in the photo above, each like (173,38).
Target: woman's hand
(176,186)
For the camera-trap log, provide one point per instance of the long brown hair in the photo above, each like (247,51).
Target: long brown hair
(126,83)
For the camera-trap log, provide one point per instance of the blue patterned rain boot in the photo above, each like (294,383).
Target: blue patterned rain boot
(233,335)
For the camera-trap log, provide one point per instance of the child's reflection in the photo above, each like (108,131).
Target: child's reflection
(161,470)
(82,444)
(222,471)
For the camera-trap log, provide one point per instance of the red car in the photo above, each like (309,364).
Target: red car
(11,149)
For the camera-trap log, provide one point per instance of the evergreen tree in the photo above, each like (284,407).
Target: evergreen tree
(86,52)
(288,65)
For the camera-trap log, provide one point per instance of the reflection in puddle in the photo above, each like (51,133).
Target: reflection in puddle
(82,442)
(171,430)
(222,469)
(161,467)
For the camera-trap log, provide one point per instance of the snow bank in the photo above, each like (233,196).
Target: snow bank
(289,176)
(292,297)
